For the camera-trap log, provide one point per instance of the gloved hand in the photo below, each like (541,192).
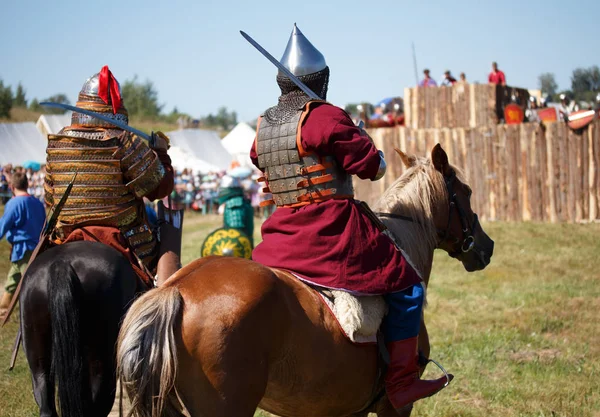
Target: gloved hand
(160,141)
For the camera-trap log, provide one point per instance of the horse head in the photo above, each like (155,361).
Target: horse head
(458,229)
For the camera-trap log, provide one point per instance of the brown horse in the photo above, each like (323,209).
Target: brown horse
(224,336)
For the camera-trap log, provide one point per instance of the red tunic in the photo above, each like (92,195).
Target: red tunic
(333,244)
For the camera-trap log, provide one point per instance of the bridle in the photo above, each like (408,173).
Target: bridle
(468,241)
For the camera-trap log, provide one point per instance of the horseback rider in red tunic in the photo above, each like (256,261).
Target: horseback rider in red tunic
(308,150)
(115,170)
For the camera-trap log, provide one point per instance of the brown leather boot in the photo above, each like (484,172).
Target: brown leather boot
(402,382)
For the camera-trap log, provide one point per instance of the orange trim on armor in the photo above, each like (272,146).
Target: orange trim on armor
(267,203)
(266,190)
(318,200)
(316,180)
(305,111)
(316,168)
(261,179)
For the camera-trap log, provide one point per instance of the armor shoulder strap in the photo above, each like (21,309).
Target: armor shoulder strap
(305,111)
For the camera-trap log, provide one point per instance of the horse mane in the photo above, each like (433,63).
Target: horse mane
(416,194)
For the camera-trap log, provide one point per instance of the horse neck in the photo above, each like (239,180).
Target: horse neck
(418,198)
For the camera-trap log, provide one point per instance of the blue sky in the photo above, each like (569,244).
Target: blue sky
(193,52)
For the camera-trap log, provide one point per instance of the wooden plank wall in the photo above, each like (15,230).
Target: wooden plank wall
(462,105)
(521,172)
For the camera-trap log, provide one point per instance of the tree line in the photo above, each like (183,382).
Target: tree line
(585,85)
(140,99)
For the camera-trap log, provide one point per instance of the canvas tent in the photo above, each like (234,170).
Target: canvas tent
(21,142)
(52,123)
(202,145)
(238,143)
(181,160)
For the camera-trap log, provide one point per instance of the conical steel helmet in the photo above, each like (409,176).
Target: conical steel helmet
(300,56)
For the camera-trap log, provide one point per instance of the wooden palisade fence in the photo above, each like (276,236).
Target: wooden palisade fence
(525,172)
(462,105)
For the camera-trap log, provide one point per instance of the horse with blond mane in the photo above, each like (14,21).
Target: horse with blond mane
(224,336)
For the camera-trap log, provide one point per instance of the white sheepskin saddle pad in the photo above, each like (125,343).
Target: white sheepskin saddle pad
(358,316)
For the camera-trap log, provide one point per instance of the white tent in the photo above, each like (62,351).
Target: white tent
(181,160)
(203,145)
(238,143)
(52,123)
(21,142)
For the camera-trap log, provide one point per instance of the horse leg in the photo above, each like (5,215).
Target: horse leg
(103,383)
(37,345)
(234,381)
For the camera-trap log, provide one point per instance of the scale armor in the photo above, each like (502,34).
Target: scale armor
(115,169)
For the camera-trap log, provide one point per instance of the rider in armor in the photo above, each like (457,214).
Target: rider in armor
(308,150)
(114,171)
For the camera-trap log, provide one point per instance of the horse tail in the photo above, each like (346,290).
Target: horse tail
(147,352)
(65,294)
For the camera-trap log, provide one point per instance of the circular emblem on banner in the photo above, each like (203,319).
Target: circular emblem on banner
(227,241)
(513,114)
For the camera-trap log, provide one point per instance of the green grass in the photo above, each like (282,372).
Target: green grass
(521,337)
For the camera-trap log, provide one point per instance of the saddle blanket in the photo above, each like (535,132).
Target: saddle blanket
(359,317)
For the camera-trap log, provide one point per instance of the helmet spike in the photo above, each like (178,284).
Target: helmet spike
(300,56)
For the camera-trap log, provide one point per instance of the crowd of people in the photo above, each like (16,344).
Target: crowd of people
(496,76)
(35,180)
(196,191)
(199,192)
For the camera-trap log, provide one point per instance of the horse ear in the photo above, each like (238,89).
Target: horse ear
(440,159)
(406,160)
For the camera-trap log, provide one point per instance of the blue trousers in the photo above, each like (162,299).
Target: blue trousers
(403,320)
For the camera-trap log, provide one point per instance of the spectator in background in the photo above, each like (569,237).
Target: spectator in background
(566,107)
(22,223)
(462,78)
(531,113)
(496,76)
(448,80)
(427,81)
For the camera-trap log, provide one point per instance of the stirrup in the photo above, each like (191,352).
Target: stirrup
(442,369)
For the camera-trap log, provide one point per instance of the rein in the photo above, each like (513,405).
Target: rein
(468,242)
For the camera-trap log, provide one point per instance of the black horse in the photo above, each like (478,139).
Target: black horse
(72,302)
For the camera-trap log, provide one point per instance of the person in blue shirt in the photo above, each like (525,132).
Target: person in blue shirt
(22,224)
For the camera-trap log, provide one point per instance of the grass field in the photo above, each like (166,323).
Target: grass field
(521,337)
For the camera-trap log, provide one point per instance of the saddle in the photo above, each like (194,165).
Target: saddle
(358,316)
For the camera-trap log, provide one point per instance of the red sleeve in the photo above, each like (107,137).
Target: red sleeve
(165,187)
(253,155)
(502,78)
(328,130)
(490,78)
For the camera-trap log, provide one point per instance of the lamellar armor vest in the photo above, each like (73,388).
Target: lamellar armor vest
(296,177)
(115,169)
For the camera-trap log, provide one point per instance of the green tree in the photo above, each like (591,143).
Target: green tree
(585,83)
(34,105)
(547,84)
(20,100)
(56,98)
(141,99)
(223,119)
(6,100)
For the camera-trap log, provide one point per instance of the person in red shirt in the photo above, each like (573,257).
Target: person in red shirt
(308,150)
(496,76)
